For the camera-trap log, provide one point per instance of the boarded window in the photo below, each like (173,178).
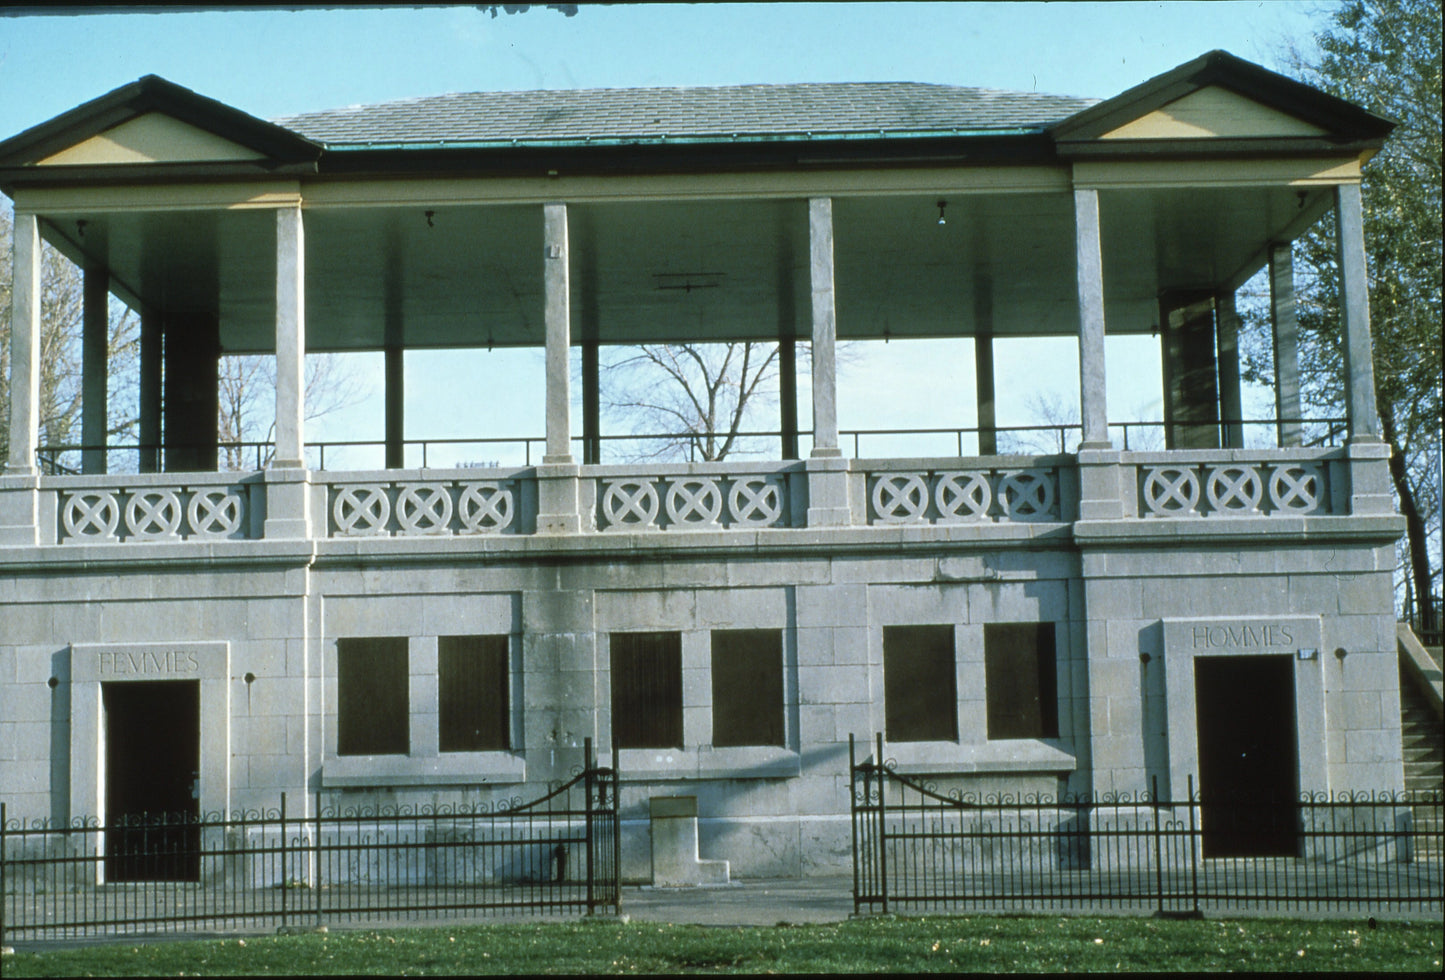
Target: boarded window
(371,696)
(920,692)
(647,690)
(472,694)
(747,687)
(1020,676)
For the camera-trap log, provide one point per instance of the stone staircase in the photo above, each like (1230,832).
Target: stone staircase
(1423,735)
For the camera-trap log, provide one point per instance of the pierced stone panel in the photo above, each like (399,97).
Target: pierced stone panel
(1233,489)
(691,502)
(119,514)
(957,496)
(438,508)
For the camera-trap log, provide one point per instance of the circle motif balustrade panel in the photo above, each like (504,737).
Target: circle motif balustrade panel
(630,503)
(1297,488)
(900,498)
(755,501)
(1027,495)
(153,513)
(694,500)
(1171,491)
(361,510)
(214,513)
(486,507)
(424,508)
(91,514)
(1234,489)
(963,496)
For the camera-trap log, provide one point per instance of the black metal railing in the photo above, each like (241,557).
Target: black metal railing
(558,854)
(919,845)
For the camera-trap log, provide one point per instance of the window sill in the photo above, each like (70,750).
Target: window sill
(707,762)
(1004,755)
(452,769)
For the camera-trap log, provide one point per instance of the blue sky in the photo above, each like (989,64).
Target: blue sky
(272,62)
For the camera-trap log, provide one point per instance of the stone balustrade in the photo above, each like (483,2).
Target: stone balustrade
(1266,484)
(386,504)
(960,492)
(153,508)
(700,496)
(179,508)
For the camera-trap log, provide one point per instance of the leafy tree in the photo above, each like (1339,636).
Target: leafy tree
(1384,55)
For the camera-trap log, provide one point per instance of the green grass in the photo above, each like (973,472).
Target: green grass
(979,944)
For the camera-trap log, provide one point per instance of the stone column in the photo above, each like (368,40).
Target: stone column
(150,391)
(1364,421)
(94,370)
(1286,343)
(290,339)
(20,480)
(557,507)
(983,366)
(1100,490)
(191,402)
(1226,339)
(827,469)
(1088,250)
(24,346)
(288,511)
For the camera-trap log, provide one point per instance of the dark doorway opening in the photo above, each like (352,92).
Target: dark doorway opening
(1248,755)
(152,779)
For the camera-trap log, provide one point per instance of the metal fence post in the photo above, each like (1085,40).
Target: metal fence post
(588,780)
(1158,850)
(882,828)
(2,873)
(316,857)
(853,813)
(1194,844)
(285,865)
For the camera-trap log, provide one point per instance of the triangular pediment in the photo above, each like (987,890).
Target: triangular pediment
(1218,103)
(151,138)
(153,122)
(1214,113)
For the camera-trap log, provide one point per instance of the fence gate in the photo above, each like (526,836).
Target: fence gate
(919,844)
(273,867)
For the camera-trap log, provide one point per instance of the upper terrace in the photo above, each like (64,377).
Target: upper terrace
(571,222)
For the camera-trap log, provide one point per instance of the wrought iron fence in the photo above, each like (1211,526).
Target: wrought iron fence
(920,846)
(258,869)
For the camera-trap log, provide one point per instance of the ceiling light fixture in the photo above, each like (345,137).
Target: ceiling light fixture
(941,206)
(430,215)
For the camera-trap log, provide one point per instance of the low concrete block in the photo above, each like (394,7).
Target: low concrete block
(675,862)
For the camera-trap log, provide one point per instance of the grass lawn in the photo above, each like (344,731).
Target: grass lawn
(975,945)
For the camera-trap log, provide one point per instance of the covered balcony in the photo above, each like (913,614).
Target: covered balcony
(1131,219)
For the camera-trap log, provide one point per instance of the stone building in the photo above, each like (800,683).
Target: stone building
(182,637)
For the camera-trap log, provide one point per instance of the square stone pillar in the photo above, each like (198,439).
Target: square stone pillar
(1364,419)
(557,506)
(825,329)
(290,339)
(1088,251)
(675,863)
(1101,485)
(1285,326)
(150,392)
(288,504)
(24,346)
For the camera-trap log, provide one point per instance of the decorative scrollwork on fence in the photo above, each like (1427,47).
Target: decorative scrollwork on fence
(691,501)
(952,497)
(423,509)
(1233,489)
(152,514)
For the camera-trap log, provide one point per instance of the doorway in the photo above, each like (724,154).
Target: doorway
(1248,755)
(152,780)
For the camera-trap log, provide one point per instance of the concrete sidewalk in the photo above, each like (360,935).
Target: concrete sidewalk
(751,902)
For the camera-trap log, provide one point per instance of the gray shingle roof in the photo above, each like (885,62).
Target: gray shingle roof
(699,113)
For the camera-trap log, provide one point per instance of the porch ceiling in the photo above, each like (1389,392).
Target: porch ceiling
(471,275)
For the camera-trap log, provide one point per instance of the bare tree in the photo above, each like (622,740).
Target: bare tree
(246,420)
(696,398)
(62,309)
